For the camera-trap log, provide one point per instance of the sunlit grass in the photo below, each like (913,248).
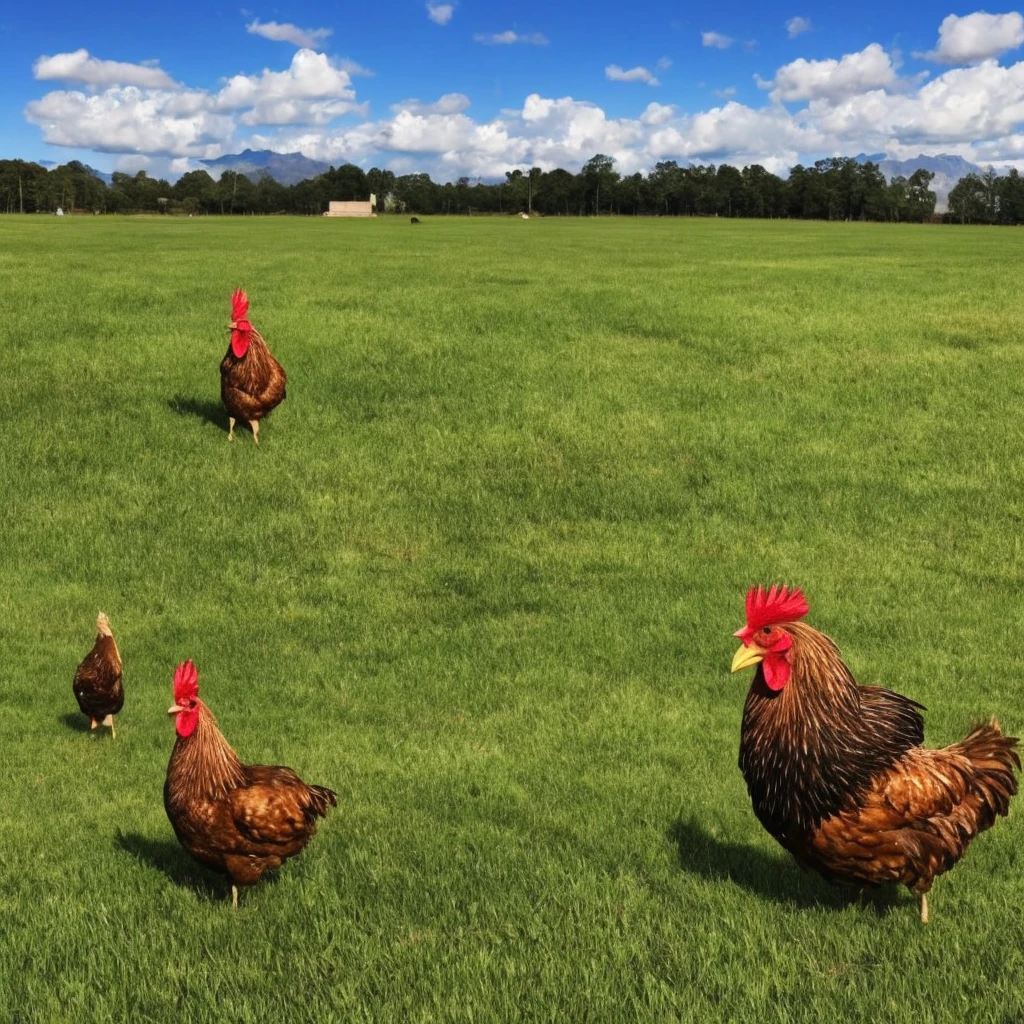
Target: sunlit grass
(480,578)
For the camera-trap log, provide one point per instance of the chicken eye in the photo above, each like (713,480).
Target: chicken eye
(767,630)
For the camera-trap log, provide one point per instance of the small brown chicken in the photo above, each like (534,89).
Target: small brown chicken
(252,381)
(236,818)
(98,687)
(836,771)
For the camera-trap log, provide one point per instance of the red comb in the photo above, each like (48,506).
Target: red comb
(777,605)
(186,682)
(239,305)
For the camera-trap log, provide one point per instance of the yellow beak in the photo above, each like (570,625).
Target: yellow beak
(174,709)
(746,656)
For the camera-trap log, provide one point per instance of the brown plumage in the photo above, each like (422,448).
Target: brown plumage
(252,381)
(836,771)
(97,685)
(236,818)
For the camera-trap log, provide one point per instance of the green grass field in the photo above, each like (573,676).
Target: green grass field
(480,577)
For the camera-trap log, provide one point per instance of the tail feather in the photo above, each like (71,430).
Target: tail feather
(320,798)
(994,763)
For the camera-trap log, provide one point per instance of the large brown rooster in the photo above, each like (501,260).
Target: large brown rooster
(97,686)
(836,771)
(252,381)
(240,819)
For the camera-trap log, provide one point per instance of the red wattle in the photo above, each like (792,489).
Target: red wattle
(776,671)
(239,343)
(186,721)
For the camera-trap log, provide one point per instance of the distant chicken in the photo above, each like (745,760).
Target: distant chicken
(836,771)
(252,381)
(97,686)
(236,818)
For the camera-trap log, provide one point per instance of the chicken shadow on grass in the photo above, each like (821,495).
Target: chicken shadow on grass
(167,856)
(76,722)
(770,877)
(201,408)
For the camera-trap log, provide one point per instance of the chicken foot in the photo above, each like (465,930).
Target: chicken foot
(109,721)
(255,424)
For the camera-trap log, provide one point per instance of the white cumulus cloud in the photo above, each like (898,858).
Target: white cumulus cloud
(871,68)
(440,14)
(797,26)
(976,37)
(79,66)
(657,113)
(716,40)
(509,37)
(638,74)
(312,91)
(449,103)
(304,38)
(127,119)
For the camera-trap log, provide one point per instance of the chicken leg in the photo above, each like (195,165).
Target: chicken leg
(231,428)
(234,896)
(109,720)
(924,908)
(255,424)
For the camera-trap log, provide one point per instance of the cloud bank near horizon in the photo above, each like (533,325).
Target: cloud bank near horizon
(852,102)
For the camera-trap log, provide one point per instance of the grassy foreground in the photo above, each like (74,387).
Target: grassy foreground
(480,578)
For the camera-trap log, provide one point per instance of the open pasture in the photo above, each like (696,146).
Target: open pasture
(481,577)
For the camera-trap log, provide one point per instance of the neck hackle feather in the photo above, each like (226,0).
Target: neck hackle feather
(203,763)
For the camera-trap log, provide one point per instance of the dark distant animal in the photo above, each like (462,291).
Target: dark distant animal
(414,220)
(97,686)
(252,381)
(241,819)
(837,772)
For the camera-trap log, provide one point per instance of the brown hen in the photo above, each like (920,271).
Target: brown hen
(252,381)
(236,818)
(97,686)
(836,771)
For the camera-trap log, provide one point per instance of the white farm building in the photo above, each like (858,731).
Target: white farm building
(336,208)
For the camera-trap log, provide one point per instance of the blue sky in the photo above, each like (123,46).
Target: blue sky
(477,88)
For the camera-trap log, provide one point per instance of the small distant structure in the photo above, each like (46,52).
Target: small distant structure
(60,211)
(338,208)
(414,220)
(525,216)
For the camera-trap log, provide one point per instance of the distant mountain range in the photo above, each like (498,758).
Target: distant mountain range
(102,175)
(948,169)
(287,168)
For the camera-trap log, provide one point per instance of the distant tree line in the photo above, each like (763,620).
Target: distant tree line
(837,188)
(987,199)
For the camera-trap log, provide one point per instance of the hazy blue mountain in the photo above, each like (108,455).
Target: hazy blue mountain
(948,169)
(102,175)
(287,168)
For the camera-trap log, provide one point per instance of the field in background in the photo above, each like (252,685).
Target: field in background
(480,577)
